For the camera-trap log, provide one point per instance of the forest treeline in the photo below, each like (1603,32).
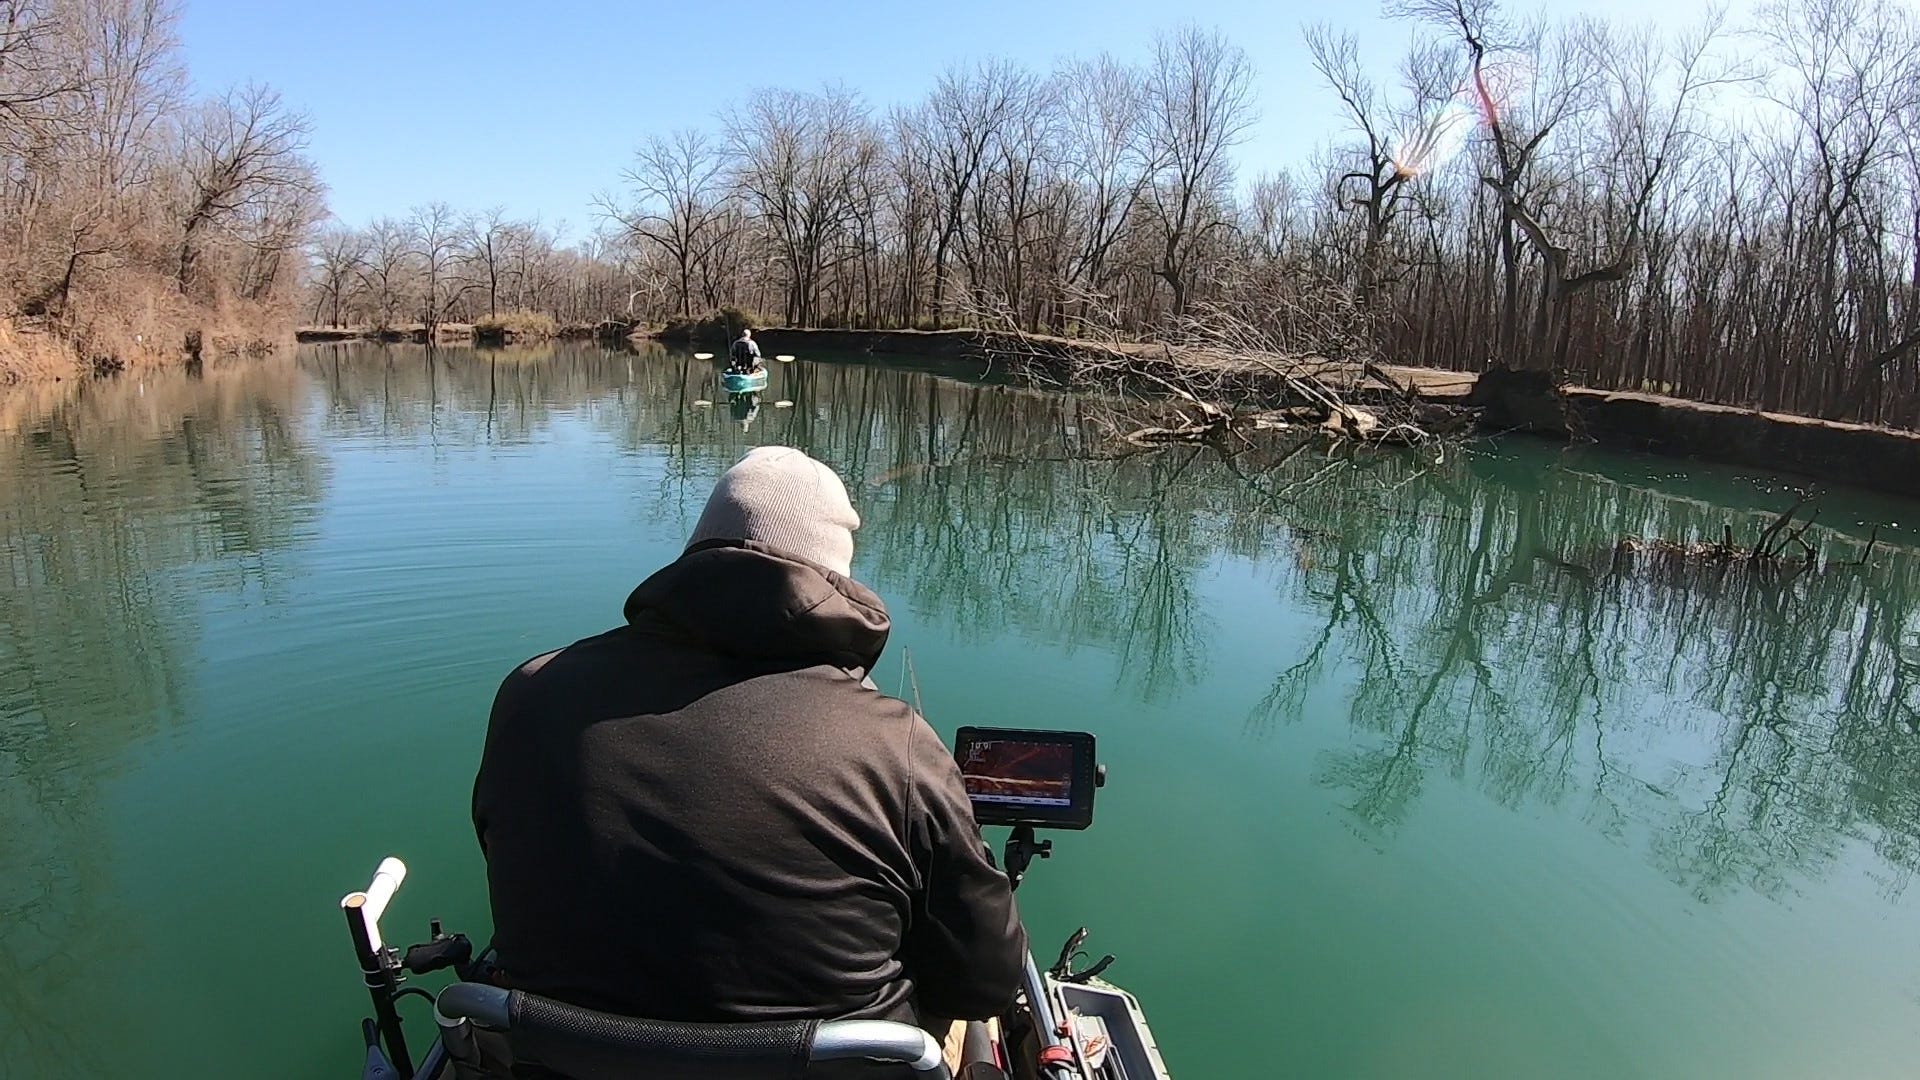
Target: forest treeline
(1726,213)
(138,222)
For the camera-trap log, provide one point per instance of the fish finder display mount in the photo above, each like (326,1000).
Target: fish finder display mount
(1028,779)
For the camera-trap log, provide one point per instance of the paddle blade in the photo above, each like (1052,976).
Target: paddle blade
(784,358)
(702,402)
(703,356)
(783,404)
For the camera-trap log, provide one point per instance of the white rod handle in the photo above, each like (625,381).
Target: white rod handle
(372,902)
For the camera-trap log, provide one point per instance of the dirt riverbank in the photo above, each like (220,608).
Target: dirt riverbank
(162,332)
(1880,459)
(483,333)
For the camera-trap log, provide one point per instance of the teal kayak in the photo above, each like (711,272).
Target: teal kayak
(744,382)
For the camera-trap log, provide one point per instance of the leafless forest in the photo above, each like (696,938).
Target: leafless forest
(1727,213)
(136,221)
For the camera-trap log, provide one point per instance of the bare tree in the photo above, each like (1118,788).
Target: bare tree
(1397,145)
(385,270)
(85,91)
(1199,105)
(676,202)
(131,82)
(967,108)
(35,74)
(242,150)
(912,208)
(1518,119)
(795,157)
(337,257)
(1642,139)
(1850,82)
(531,259)
(1107,161)
(487,236)
(1001,245)
(437,253)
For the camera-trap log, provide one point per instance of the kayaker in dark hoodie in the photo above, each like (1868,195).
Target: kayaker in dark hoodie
(744,355)
(710,814)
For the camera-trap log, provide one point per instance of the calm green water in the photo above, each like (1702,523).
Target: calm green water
(1406,782)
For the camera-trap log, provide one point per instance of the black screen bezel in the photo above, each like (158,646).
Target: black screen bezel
(1079,815)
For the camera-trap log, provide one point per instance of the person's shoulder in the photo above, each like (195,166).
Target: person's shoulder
(867,691)
(533,666)
(903,722)
(884,724)
(580,651)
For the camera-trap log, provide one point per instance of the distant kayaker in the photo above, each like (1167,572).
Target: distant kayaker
(711,814)
(744,356)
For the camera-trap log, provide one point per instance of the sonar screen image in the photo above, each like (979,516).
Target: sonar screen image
(1025,773)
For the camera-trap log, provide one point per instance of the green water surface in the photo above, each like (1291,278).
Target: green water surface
(1410,777)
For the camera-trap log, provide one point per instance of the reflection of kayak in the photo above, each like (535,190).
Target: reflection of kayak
(743,407)
(744,382)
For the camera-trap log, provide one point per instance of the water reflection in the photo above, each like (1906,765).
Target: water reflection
(1461,621)
(1425,629)
(1739,726)
(1461,615)
(122,510)
(743,408)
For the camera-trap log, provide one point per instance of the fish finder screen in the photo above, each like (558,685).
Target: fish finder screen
(1015,776)
(1018,772)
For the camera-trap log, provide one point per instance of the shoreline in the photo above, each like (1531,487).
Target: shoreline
(1884,460)
(456,334)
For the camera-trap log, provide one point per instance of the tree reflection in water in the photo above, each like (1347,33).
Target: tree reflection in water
(123,509)
(1459,623)
(1464,615)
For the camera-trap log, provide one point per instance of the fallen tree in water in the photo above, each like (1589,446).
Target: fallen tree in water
(1222,373)
(1782,547)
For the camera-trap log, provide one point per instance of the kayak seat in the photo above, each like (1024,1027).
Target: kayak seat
(583,1044)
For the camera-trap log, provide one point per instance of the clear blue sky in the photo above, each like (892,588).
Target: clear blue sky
(407,97)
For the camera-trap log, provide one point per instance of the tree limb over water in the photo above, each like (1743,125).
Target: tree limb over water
(1287,365)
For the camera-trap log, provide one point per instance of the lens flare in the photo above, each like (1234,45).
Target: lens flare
(1424,147)
(1431,142)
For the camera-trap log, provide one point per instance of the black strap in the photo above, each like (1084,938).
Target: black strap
(586,1045)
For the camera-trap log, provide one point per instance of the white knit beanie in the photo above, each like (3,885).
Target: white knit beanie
(784,499)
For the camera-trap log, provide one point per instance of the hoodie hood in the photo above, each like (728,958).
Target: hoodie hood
(742,598)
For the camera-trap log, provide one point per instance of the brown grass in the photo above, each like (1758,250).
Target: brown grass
(512,326)
(30,353)
(141,323)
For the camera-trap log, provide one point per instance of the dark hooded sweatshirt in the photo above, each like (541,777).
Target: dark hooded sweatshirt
(706,814)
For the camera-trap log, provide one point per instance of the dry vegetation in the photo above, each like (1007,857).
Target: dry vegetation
(508,327)
(436,267)
(1726,214)
(137,225)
